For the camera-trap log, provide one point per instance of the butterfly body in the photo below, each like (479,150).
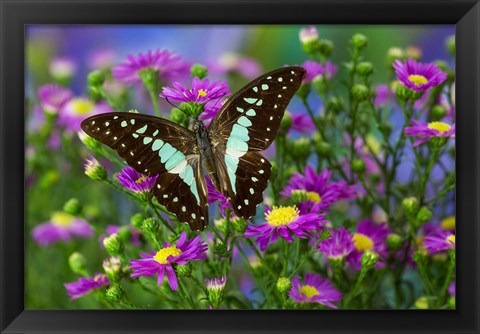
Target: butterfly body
(227,151)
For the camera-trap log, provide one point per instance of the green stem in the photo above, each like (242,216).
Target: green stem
(164,222)
(260,257)
(154,98)
(449,276)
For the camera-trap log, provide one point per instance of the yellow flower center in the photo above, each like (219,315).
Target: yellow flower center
(82,106)
(202,92)
(164,253)
(439,126)
(417,79)
(283,215)
(314,197)
(448,223)
(141,179)
(309,291)
(62,219)
(362,242)
(451,239)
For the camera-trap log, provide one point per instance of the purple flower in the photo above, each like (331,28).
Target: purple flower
(214,195)
(62,226)
(53,97)
(439,241)
(308,35)
(381,95)
(167,64)
(321,192)
(315,69)
(201,91)
(161,261)
(211,110)
(418,76)
(427,131)
(284,221)
(301,123)
(338,246)
(77,109)
(451,289)
(134,181)
(62,67)
(314,289)
(372,237)
(235,63)
(101,59)
(84,285)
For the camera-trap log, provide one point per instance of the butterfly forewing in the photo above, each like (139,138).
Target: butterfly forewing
(155,146)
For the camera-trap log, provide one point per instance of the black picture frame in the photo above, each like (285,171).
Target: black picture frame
(15,14)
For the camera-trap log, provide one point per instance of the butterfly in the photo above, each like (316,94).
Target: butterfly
(228,150)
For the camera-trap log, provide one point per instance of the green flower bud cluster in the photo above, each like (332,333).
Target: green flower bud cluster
(113,245)
(78,263)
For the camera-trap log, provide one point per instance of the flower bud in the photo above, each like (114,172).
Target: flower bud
(298,196)
(403,93)
(78,263)
(150,226)
(365,68)
(394,242)
(283,285)
(95,78)
(437,112)
(184,270)
(193,109)
(286,122)
(424,215)
(309,39)
(335,104)
(239,224)
(450,44)
(410,206)
(441,65)
(215,287)
(199,71)
(62,69)
(358,166)
(113,245)
(94,170)
(125,234)
(318,83)
(149,77)
(393,54)
(115,293)
(177,116)
(113,268)
(301,149)
(369,259)
(88,141)
(422,303)
(72,206)
(413,52)
(360,92)
(323,149)
(220,249)
(359,41)
(304,90)
(137,221)
(326,47)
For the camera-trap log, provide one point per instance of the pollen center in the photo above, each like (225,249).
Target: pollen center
(451,239)
(281,216)
(314,197)
(163,254)
(62,219)
(141,179)
(439,126)
(82,106)
(362,242)
(202,92)
(417,79)
(309,291)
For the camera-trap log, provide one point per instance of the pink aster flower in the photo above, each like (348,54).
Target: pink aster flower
(214,195)
(84,285)
(284,221)
(211,110)
(321,192)
(62,68)
(167,64)
(62,226)
(308,34)
(439,241)
(427,131)
(53,97)
(315,69)
(101,59)
(201,91)
(314,289)
(77,109)
(338,246)
(418,76)
(161,261)
(134,181)
(372,237)
(381,95)
(235,63)
(301,123)
(451,289)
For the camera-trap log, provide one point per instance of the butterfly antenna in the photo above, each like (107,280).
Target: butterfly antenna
(218,100)
(177,107)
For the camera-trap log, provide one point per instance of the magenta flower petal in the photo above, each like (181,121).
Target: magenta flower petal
(418,76)
(134,181)
(84,286)
(314,289)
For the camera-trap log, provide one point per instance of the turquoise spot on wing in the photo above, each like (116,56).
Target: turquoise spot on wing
(157,144)
(240,109)
(194,191)
(255,89)
(132,121)
(233,179)
(250,100)
(134,135)
(264,87)
(231,162)
(166,152)
(244,121)
(237,144)
(240,132)
(259,103)
(187,175)
(251,112)
(147,140)
(123,124)
(155,133)
(174,160)
(142,129)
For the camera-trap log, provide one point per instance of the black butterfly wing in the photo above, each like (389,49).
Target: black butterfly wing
(249,122)
(156,146)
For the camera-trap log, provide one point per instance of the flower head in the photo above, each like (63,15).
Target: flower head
(84,285)
(301,123)
(372,237)
(165,63)
(321,192)
(315,69)
(62,68)
(418,76)
(134,181)
(284,221)
(381,95)
(161,261)
(428,131)
(101,59)
(214,195)
(215,287)
(235,63)
(308,34)
(439,241)
(338,246)
(53,97)
(77,109)
(62,226)
(314,289)
(201,91)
